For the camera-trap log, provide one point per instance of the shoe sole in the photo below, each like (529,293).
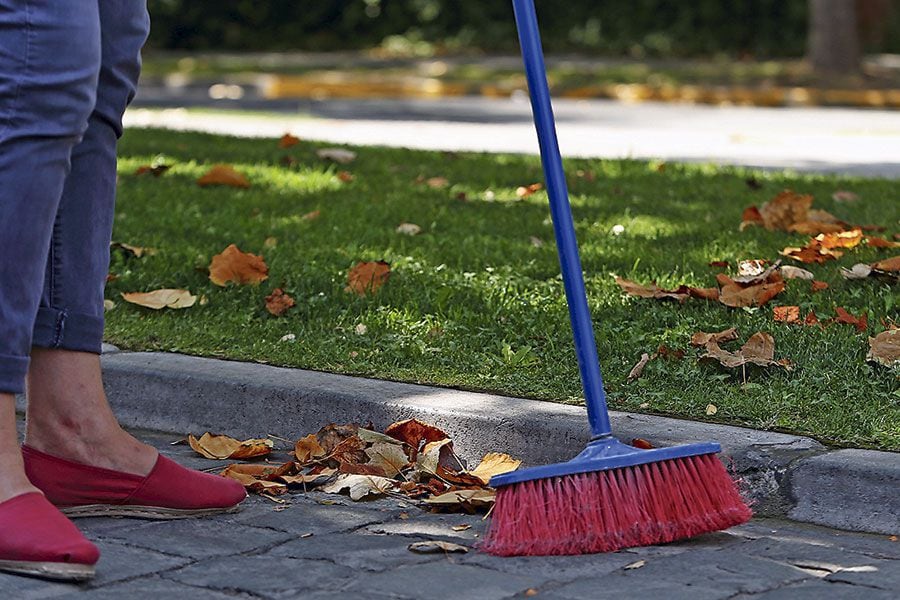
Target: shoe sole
(48,570)
(155,513)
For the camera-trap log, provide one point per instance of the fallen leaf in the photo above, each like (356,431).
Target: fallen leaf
(884,348)
(465,527)
(841,239)
(811,318)
(288,140)
(260,486)
(704,293)
(413,432)
(463,499)
(278,302)
(345,176)
(861,323)
(638,369)
(136,251)
(359,486)
(879,242)
(409,229)
(223,175)
(813,252)
(785,209)
(844,196)
(857,271)
(367,277)
(652,291)
(711,409)
(155,170)
(331,436)
(436,547)
(524,191)
(375,437)
(108,305)
(786,314)
(758,350)
(890,265)
(432,455)
(338,155)
(308,448)
(437,182)
(818,286)
(159,299)
(389,457)
(232,265)
(789,272)
(750,270)
(736,295)
(701,338)
(494,463)
(314,478)
(637,564)
(719,263)
(312,215)
(642,444)
(220,447)
(750,217)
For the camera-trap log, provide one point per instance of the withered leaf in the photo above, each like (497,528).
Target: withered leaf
(861,323)
(879,242)
(701,338)
(495,463)
(375,437)
(735,295)
(889,265)
(260,486)
(309,478)
(136,251)
(232,265)
(789,272)
(409,229)
(652,291)
(413,432)
(840,239)
(523,191)
(278,302)
(223,175)
(755,271)
(813,252)
(642,444)
(330,436)
(432,455)
(345,176)
(638,369)
(844,196)
(436,547)
(786,314)
(288,141)
(312,215)
(359,486)
(785,209)
(259,471)
(367,277)
(818,286)
(219,447)
(857,271)
(811,318)
(155,170)
(389,457)
(463,499)
(759,350)
(884,348)
(338,155)
(437,182)
(308,448)
(159,299)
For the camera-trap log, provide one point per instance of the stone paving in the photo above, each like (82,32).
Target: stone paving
(318,546)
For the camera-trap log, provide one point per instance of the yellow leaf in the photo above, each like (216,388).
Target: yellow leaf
(159,299)
(711,409)
(495,463)
(308,448)
(219,447)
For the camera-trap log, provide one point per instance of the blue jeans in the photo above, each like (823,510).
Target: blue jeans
(68,69)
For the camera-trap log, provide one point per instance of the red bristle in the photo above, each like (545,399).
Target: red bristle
(603,511)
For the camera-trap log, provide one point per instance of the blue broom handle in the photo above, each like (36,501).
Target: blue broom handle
(564,228)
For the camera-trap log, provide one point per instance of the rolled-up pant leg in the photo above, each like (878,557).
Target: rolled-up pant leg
(71,309)
(49,68)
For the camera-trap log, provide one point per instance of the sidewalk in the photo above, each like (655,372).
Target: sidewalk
(317,546)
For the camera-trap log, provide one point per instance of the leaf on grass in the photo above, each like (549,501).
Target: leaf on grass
(759,350)
(844,196)
(409,229)
(811,318)
(818,286)
(389,457)
(308,448)
(878,242)
(288,141)
(437,183)
(494,463)
(737,295)
(312,215)
(523,191)
(345,176)
(278,302)
(750,217)
(367,277)
(890,265)
(786,314)
(652,291)
(159,299)
(338,155)
(840,239)
(719,263)
(223,175)
(232,265)
(884,348)
(155,170)
(789,272)
(752,271)
(857,271)
(359,486)
(813,252)
(861,323)
(701,338)
(136,251)
(711,409)
(219,447)
(470,499)
(638,369)
(785,210)
(436,547)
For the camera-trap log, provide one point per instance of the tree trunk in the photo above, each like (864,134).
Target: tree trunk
(833,37)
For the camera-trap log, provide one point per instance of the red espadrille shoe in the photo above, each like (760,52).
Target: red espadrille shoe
(35,539)
(170,491)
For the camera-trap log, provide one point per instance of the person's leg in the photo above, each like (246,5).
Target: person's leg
(12,476)
(49,65)
(68,415)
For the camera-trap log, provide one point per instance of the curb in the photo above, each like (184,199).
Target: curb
(783,475)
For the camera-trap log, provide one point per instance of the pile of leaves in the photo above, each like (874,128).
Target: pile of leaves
(410,458)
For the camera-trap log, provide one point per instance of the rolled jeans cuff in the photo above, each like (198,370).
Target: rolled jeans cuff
(12,374)
(55,328)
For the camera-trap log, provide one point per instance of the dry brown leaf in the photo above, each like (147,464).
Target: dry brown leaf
(278,302)
(345,176)
(232,265)
(288,140)
(735,295)
(359,486)
(389,457)
(331,436)
(259,471)
(260,486)
(813,252)
(413,432)
(751,217)
(375,437)
(844,196)
(312,216)
(155,170)
(159,299)
(789,272)
(889,265)
(638,369)
(841,239)
(879,242)
(811,318)
(711,409)
(463,499)
(224,175)
(786,314)
(136,251)
(759,350)
(523,191)
(704,293)
(785,209)
(635,565)
(436,547)
(338,155)
(884,348)
(751,272)
(437,182)
(652,291)
(220,447)
(314,478)
(701,338)
(494,463)
(367,277)
(351,451)
(432,455)
(861,323)
(642,444)
(818,286)
(308,448)
(463,527)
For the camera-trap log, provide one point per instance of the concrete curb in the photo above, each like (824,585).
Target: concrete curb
(783,474)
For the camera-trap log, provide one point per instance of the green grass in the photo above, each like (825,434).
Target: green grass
(473,303)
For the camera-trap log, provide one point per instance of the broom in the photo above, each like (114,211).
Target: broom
(612,495)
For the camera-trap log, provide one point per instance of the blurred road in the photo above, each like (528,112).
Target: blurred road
(851,141)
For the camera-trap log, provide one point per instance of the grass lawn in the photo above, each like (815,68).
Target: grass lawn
(475,301)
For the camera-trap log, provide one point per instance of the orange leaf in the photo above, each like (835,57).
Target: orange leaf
(524,191)
(787,314)
(734,295)
(818,286)
(224,175)
(785,209)
(239,267)
(861,323)
(331,436)
(308,448)
(704,293)
(367,277)
(840,239)
(413,432)
(889,264)
(278,302)
(288,140)
(811,318)
(345,176)
(642,444)
(878,242)
(812,253)
(223,446)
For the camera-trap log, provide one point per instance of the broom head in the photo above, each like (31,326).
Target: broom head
(613,496)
